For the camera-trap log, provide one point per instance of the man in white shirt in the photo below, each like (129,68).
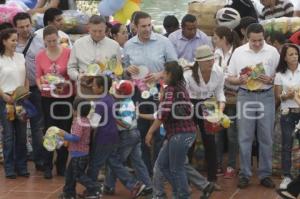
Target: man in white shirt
(53,16)
(94,48)
(255,106)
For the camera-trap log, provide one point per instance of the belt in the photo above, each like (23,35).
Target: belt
(256,91)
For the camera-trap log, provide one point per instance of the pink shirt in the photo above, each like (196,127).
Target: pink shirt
(44,66)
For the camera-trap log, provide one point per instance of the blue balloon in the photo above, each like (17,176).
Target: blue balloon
(104,9)
(29,3)
(116,5)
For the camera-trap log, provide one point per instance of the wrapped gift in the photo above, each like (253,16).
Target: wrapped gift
(253,72)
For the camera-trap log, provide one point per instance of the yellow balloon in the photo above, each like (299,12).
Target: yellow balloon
(120,17)
(129,8)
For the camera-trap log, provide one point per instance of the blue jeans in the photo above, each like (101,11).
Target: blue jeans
(287,123)
(171,161)
(37,126)
(76,173)
(232,136)
(199,181)
(256,112)
(108,154)
(130,146)
(14,143)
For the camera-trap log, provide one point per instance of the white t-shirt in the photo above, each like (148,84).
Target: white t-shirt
(243,57)
(214,87)
(288,80)
(12,72)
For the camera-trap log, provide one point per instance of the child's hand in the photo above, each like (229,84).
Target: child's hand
(61,133)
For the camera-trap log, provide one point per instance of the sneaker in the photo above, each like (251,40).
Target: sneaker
(48,175)
(267,182)
(229,173)
(137,189)
(285,194)
(147,191)
(108,191)
(284,183)
(207,191)
(243,182)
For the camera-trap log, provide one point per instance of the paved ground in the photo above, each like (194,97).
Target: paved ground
(36,187)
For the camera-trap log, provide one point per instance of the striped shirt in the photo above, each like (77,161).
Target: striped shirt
(282,8)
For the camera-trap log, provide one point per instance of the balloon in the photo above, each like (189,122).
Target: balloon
(119,16)
(136,1)
(129,8)
(104,9)
(116,4)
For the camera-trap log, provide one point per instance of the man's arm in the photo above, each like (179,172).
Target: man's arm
(73,65)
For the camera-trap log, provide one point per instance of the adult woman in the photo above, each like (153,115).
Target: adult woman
(287,83)
(226,41)
(180,133)
(55,103)
(205,80)
(119,33)
(12,75)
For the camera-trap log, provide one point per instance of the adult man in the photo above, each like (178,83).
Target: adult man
(188,38)
(276,8)
(28,47)
(90,49)
(53,16)
(151,50)
(256,108)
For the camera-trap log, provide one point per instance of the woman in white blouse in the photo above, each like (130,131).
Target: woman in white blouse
(12,75)
(205,80)
(226,41)
(287,85)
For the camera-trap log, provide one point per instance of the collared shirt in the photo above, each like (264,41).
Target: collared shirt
(12,72)
(222,60)
(214,87)
(243,57)
(171,106)
(283,8)
(152,54)
(81,128)
(86,51)
(288,80)
(186,48)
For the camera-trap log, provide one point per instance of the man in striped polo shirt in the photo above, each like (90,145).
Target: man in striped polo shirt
(276,8)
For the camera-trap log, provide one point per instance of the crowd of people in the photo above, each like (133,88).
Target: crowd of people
(110,123)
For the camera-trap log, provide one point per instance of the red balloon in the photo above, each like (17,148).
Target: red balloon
(136,1)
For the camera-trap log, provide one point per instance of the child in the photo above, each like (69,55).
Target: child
(130,139)
(107,139)
(79,140)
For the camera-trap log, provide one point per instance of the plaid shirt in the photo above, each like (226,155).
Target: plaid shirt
(80,127)
(176,104)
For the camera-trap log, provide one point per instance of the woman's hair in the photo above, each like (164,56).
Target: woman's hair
(4,35)
(282,65)
(115,29)
(49,30)
(230,35)
(103,81)
(176,72)
(195,72)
